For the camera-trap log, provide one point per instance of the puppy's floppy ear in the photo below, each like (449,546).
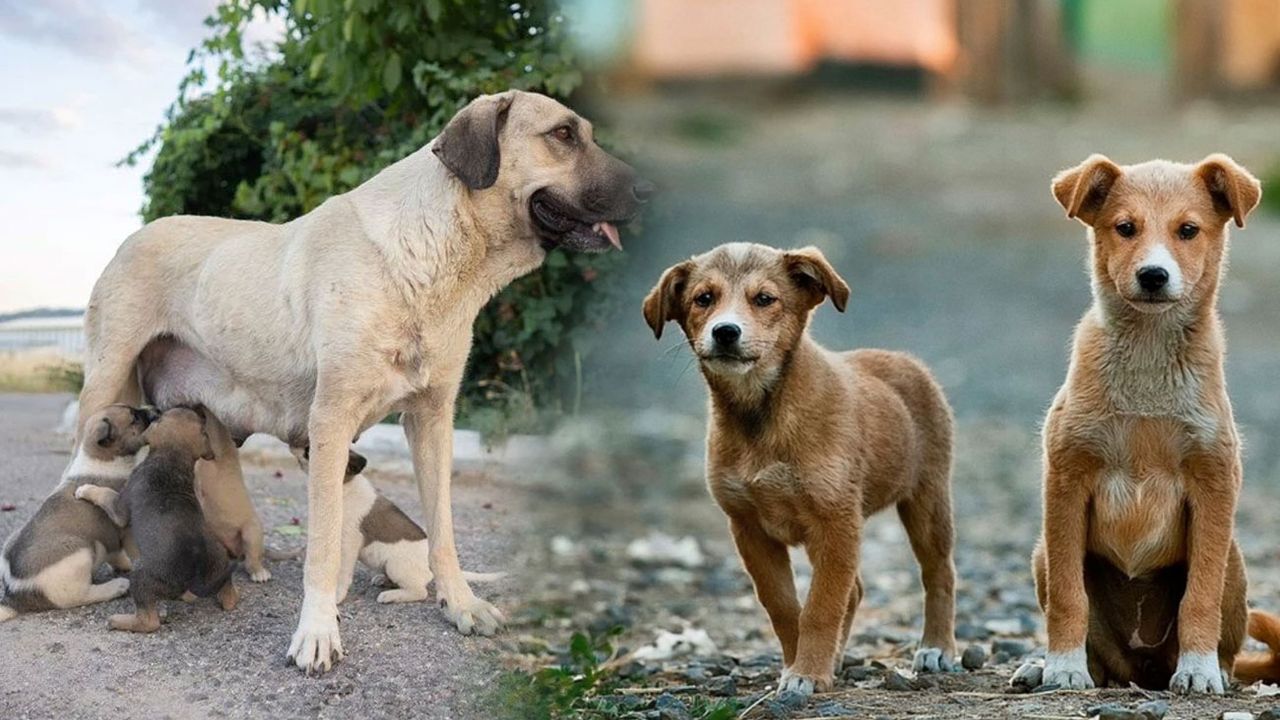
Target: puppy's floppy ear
(206,446)
(469,146)
(1083,189)
(1235,192)
(809,269)
(664,302)
(105,433)
(355,462)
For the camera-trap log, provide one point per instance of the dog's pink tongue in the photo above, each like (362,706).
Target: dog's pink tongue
(609,231)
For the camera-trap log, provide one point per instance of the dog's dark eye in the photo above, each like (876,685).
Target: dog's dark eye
(763,299)
(564,134)
(1186,231)
(1126,229)
(704,299)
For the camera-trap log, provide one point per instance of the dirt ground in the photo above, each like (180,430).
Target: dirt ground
(940,218)
(402,660)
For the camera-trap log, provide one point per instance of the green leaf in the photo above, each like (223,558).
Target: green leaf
(289,530)
(317,63)
(434,10)
(391,72)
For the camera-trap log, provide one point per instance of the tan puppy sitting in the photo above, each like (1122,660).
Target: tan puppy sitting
(805,443)
(225,501)
(1138,570)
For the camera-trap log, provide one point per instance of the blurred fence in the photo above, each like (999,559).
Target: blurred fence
(62,336)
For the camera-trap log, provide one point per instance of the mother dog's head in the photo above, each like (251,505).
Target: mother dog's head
(528,149)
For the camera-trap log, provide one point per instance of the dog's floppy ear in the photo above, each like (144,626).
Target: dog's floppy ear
(1083,189)
(355,462)
(105,433)
(206,446)
(663,302)
(468,146)
(809,269)
(1235,192)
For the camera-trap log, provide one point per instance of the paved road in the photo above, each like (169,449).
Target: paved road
(402,661)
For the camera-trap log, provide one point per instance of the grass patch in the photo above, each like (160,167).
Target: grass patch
(37,372)
(585,686)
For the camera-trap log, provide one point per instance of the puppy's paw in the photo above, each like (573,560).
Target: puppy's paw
(259,574)
(316,643)
(802,684)
(471,614)
(1068,670)
(1197,673)
(1028,676)
(116,588)
(933,660)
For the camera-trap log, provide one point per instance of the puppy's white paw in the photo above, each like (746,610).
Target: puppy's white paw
(1197,673)
(1029,675)
(116,588)
(1068,670)
(316,643)
(471,614)
(932,660)
(259,575)
(401,595)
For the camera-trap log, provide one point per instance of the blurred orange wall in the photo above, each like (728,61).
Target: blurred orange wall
(692,38)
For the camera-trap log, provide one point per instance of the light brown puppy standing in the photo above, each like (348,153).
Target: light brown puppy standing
(1137,570)
(804,443)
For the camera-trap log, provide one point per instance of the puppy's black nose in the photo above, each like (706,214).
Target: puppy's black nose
(726,333)
(1151,278)
(643,190)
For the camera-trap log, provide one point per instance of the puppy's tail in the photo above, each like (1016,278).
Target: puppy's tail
(1251,667)
(7,613)
(482,577)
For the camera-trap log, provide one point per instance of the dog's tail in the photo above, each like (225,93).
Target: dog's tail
(482,577)
(1251,667)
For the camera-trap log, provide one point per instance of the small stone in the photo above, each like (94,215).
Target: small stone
(1153,709)
(722,686)
(696,674)
(832,708)
(1235,715)
(897,681)
(974,657)
(1028,677)
(1271,714)
(1014,648)
(969,631)
(785,704)
(859,673)
(1111,711)
(670,707)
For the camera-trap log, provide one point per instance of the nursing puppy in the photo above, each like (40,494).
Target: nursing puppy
(804,443)
(379,534)
(224,499)
(1137,569)
(178,553)
(49,562)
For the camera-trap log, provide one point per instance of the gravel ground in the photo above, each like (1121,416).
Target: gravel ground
(940,218)
(402,660)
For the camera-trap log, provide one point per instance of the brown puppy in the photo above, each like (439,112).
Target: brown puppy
(804,443)
(1137,570)
(179,553)
(1254,666)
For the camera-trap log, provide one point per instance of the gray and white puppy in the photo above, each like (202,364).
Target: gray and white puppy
(379,534)
(49,562)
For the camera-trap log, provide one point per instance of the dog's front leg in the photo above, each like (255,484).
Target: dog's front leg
(1066,505)
(317,641)
(429,428)
(1212,493)
(833,550)
(767,562)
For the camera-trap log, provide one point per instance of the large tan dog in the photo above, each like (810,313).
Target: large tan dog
(804,444)
(313,330)
(1138,570)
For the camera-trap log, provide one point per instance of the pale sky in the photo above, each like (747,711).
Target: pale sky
(82,82)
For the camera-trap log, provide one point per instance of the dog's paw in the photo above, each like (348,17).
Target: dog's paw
(1028,676)
(802,684)
(316,644)
(259,575)
(1069,670)
(471,614)
(1197,673)
(933,660)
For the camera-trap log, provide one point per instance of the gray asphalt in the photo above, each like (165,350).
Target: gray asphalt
(402,660)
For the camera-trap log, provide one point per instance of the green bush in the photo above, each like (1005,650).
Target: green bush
(353,86)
